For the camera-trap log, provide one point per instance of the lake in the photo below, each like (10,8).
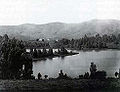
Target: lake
(108,60)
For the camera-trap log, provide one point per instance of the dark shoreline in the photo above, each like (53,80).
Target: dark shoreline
(58,85)
(95,49)
(70,54)
(55,55)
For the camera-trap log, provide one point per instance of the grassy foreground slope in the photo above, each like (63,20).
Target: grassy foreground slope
(81,84)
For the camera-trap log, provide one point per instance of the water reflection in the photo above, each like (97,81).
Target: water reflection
(75,65)
(62,57)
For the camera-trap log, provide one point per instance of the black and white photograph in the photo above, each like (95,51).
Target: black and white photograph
(59,45)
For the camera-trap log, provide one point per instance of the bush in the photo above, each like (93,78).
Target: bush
(100,75)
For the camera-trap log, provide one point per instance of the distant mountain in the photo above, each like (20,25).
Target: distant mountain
(58,30)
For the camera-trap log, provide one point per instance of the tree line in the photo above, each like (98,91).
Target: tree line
(36,44)
(91,42)
(15,62)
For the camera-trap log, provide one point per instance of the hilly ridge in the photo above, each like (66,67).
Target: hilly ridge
(58,30)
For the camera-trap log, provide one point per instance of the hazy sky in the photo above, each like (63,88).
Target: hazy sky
(69,11)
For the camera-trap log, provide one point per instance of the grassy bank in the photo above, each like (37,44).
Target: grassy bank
(80,84)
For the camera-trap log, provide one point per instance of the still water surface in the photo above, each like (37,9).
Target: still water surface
(108,60)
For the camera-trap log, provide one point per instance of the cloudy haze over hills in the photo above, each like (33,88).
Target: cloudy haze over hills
(58,30)
(14,12)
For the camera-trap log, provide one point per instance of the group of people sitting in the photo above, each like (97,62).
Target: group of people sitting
(40,76)
(94,74)
(61,76)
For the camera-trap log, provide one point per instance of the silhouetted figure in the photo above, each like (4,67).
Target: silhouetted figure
(81,76)
(61,74)
(65,76)
(86,75)
(93,70)
(46,76)
(39,76)
(116,74)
